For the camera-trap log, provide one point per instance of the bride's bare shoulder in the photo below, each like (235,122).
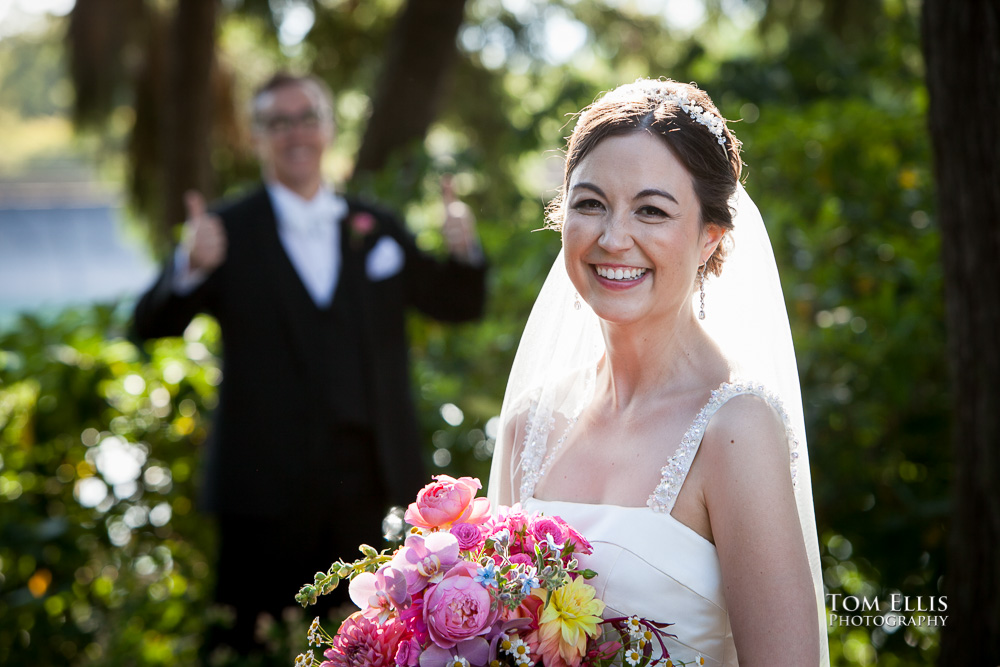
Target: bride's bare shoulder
(749,429)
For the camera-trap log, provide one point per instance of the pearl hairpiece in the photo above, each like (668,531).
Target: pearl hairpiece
(698,114)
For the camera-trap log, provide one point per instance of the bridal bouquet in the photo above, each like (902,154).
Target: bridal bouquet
(468,589)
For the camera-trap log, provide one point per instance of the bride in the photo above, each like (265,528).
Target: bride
(654,401)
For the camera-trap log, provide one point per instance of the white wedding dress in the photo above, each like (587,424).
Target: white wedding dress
(650,564)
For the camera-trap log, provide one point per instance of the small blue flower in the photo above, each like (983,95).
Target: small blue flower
(528,581)
(487,574)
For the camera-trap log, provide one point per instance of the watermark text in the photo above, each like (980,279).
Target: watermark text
(897,611)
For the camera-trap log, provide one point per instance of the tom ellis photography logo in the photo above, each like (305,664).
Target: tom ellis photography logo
(897,611)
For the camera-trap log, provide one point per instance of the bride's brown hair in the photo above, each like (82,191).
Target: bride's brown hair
(711,157)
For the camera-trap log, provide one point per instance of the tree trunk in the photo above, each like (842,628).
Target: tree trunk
(98,32)
(187,121)
(419,58)
(962,49)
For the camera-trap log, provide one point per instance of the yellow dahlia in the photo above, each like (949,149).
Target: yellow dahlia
(570,617)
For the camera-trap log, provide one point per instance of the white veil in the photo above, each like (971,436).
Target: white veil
(746,317)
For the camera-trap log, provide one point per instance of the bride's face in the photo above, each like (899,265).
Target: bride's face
(632,235)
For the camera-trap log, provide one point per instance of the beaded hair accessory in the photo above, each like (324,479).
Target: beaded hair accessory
(698,114)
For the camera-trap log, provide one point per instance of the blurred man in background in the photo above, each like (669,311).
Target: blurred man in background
(315,434)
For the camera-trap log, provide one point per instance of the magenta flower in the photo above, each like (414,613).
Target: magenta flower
(580,543)
(425,560)
(512,518)
(446,502)
(469,536)
(521,559)
(408,653)
(362,223)
(458,608)
(544,526)
(361,642)
(514,522)
(412,619)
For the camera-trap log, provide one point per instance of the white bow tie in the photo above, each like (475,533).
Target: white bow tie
(310,216)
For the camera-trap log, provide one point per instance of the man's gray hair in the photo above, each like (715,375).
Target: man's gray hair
(262,95)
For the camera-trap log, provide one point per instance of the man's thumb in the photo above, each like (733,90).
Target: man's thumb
(195,205)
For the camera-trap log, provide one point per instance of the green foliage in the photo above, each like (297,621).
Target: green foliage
(844,182)
(31,76)
(324,583)
(102,556)
(832,110)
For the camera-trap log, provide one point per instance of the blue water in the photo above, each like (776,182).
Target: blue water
(51,258)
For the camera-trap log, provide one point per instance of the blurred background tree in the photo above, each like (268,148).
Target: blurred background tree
(962,46)
(828,98)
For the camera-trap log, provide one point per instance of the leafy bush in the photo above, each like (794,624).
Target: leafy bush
(103,558)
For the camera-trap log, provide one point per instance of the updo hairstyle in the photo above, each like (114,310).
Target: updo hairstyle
(651,105)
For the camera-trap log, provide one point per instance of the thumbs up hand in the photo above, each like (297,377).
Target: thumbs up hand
(204,236)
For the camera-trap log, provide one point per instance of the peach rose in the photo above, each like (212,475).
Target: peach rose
(446,502)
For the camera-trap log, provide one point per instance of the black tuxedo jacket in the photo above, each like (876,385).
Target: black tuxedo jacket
(263,447)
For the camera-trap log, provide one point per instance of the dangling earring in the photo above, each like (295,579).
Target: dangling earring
(576,301)
(701,286)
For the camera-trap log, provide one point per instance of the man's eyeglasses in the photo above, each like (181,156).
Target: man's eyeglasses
(279,124)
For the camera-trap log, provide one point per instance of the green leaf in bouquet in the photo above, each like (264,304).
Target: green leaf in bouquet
(326,582)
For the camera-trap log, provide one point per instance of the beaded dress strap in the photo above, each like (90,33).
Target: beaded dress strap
(673,474)
(538,425)
(537,453)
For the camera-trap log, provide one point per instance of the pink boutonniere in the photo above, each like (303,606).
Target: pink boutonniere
(361,225)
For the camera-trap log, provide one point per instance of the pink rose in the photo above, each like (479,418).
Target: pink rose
(580,543)
(458,608)
(512,518)
(408,653)
(469,536)
(544,526)
(446,502)
(362,223)
(521,559)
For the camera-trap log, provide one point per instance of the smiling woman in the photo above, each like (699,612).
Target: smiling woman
(633,235)
(632,418)
(710,159)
